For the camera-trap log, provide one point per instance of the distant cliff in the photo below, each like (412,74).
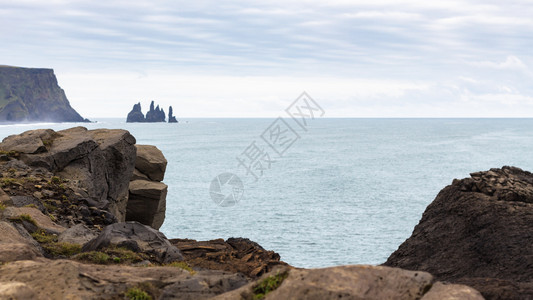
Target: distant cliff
(152,116)
(33,95)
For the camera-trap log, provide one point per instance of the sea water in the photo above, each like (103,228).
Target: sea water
(347,191)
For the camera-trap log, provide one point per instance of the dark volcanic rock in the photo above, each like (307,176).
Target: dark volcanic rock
(101,160)
(478,231)
(155,115)
(171,117)
(31,95)
(136,114)
(136,237)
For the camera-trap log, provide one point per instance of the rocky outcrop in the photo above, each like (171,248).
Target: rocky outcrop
(236,255)
(478,231)
(66,279)
(171,117)
(154,115)
(100,162)
(136,114)
(33,95)
(147,195)
(138,238)
(349,282)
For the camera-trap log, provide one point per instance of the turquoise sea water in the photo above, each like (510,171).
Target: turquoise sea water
(348,191)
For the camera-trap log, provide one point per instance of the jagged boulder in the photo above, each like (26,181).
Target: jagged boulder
(478,231)
(100,160)
(136,237)
(136,114)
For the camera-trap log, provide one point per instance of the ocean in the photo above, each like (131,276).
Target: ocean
(335,192)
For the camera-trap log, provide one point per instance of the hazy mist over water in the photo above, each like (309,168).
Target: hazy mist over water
(349,191)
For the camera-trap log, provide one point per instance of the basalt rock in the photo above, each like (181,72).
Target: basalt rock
(171,117)
(478,231)
(147,195)
(135,115)
(33,95)
(100,161)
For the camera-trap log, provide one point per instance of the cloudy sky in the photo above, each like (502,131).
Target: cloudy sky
(243,58)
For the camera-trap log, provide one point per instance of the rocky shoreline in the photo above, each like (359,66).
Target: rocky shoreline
(80,209)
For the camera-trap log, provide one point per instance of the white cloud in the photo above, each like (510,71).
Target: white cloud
(400,58)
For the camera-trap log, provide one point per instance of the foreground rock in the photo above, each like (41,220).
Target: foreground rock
(479,232)
(33,95)
(138,238)
(65,279)
(234,255)
(351,282)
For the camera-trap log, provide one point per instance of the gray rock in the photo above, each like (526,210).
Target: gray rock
(136,237)
(20,201)
(151,162)
(147,203)
(101,160)
(78,234)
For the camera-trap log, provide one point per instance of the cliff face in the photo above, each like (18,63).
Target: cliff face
(31,95)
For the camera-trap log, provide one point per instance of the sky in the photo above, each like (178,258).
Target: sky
(246,58)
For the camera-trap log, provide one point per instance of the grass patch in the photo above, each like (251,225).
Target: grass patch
(268,285)
(43,238)
(137,294)
(111,255)
(182,265)
(2,206)
(62,249)
(55,180)
(53,247)
(7,181)
(11,153)
(95,257)
(24,217)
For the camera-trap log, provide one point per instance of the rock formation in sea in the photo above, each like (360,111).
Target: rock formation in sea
(79,212)
(154,115)
(478,231)
(33,95)
(171,117)
(136,114)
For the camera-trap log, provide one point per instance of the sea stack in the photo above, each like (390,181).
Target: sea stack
(171,118)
